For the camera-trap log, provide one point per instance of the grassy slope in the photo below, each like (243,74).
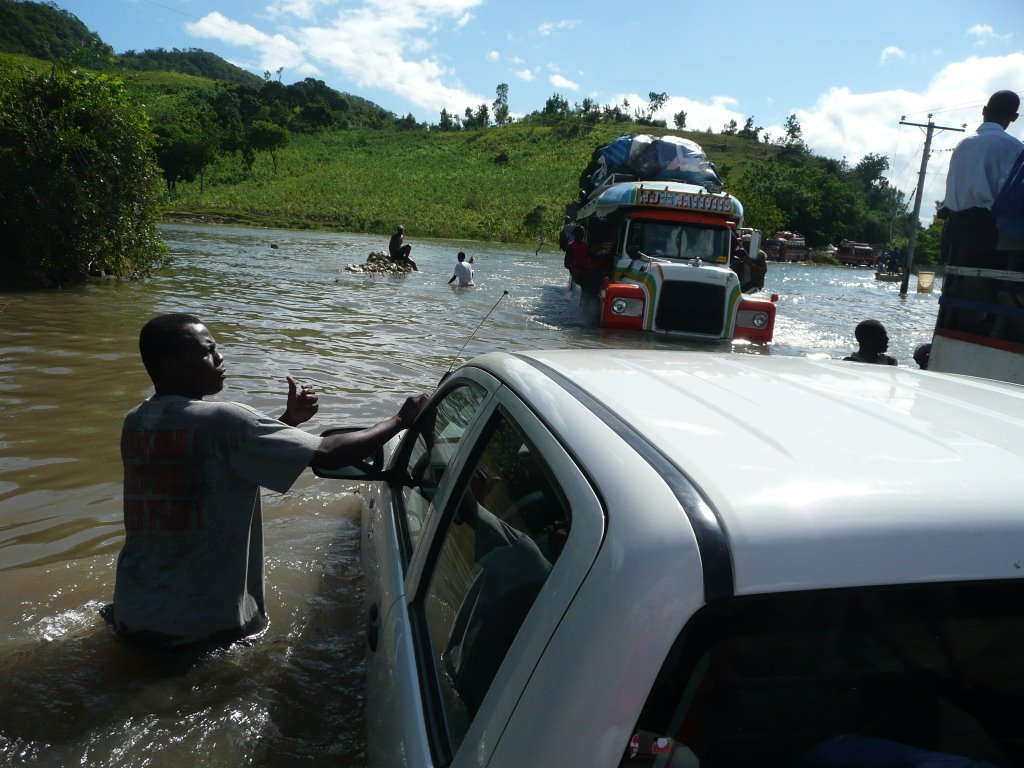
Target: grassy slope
(436,184)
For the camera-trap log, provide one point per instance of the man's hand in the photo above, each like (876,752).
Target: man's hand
(302,403)
(410,410)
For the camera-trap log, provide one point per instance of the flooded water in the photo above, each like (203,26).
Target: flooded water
(69,370)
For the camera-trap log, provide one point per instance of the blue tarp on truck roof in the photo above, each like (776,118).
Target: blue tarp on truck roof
(649,158)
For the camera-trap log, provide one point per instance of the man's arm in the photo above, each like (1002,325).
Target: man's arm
(452,280)
(345,448)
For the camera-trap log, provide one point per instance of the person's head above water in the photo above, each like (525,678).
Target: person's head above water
(399,228)
(462,256)
(181,357)
(872,336)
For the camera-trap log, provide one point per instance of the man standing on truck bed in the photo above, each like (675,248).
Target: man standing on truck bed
(978,169)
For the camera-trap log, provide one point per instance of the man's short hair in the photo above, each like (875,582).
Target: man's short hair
(163,337)
(869,330)
(1003,104)
(462,256)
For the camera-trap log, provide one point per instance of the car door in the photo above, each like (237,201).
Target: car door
(514,527)
(395,515)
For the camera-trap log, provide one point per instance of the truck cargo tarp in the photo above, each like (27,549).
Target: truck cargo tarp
(648,158)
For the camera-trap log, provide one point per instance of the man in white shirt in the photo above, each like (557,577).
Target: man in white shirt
(978,169)
(463,272)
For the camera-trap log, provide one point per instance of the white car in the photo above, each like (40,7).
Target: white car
(603,558)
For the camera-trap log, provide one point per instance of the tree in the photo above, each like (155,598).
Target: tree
(407,123)
(448,122)
(680,119)
(79,185)
(655,101)
(749,130)
(794,133)
(556,106)
(482,117)
(730,128)
(500,105)
(187,138)
(265,136)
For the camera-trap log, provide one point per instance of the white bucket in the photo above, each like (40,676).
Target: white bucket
(925,282)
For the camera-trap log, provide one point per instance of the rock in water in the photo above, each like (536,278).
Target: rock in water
(379,261)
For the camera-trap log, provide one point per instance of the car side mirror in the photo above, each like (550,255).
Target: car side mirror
(367,468)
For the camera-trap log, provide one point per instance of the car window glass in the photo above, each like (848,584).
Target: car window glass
(926,674)
(506,532)
(439,433)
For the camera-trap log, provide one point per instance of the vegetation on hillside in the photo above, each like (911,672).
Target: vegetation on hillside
(232,145)
(79,190)
(47,32)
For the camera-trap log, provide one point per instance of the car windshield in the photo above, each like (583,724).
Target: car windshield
(926,674)
(678,240)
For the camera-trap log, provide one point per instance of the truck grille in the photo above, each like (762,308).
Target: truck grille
(691,308)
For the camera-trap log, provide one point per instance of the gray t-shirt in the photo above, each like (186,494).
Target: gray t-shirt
(191,567)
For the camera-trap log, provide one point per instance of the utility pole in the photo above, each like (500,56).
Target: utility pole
(915,225)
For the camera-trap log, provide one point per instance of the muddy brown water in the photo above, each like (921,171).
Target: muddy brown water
(69,370)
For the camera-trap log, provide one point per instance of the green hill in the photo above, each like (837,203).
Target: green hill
(234,146)
(47,32)
(507,183)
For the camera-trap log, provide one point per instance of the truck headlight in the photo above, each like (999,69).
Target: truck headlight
(759,320)
(627,307)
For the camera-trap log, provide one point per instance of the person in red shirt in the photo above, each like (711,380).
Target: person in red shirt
(585,272)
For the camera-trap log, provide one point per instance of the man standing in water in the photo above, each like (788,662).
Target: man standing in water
(463,272)
(191,569)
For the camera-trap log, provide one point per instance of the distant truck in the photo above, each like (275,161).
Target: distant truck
(854,254)
(794,245)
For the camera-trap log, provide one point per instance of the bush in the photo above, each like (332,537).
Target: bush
(79,186)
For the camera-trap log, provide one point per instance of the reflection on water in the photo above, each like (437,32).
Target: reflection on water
(69,370)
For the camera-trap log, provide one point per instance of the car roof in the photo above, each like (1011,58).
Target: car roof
(826,473)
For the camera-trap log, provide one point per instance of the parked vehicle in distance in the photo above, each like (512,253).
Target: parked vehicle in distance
(795,247)
(854,254)
(614,558)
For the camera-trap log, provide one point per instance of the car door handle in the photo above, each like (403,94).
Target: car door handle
(373,627)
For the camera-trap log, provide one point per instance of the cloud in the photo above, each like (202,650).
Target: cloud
(493,55)
(842,123)
(983,34)
(524,74)
(548,27)
(275,51)
(891,52)
(714,112)
(374,43)
(303,9)
(563,82)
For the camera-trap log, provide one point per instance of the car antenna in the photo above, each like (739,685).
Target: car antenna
(503,295)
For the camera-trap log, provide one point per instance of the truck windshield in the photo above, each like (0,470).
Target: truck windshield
(678,240)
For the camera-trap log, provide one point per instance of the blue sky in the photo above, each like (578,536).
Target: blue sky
(848,70)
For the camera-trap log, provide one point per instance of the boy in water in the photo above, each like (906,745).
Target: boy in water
(874,341)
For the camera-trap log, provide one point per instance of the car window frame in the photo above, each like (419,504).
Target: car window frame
(588,524)
(400,458)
